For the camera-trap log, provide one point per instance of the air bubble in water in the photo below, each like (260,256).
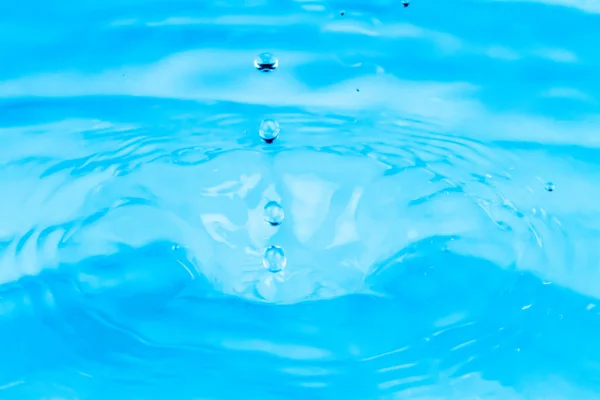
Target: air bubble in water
(266,62)
(274,259)
(274,213)
(269,130)
(549,186)
(405,3)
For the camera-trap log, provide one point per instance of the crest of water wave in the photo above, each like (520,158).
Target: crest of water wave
(421,261)
(350,206)
(417,217)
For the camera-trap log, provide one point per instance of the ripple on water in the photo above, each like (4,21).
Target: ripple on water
(341,199)
(170,232)
(419,264)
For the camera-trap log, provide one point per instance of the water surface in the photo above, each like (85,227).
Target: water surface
(437,166)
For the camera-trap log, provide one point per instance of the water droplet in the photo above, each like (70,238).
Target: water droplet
(405,3)
(357,89)
(274,259)
(274,213)
(342,13)
(549,186)
(269,130)
(266,62)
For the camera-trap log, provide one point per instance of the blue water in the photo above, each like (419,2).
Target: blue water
(437,165)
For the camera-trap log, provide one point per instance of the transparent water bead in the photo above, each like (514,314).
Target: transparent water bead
(274,259)
(405,3)
(266,62)
(269,130)
(549,187)
(274,213)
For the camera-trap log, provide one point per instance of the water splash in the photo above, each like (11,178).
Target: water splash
(274,213)
(266,62)
(274,259)
(426,260)
(269,130)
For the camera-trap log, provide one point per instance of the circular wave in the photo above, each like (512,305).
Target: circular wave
(387,227)
(421,263)
(355,203)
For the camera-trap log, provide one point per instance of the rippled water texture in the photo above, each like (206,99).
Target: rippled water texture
(437,168)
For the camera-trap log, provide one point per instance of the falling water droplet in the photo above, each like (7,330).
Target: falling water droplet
(549,186)
(274,259)
(274,213)
(405,3)
(266,62)
(269,130)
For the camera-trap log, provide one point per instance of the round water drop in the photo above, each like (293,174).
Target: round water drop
(549,186)
(269,130)
(274,213)
(266,62)
(405,3)
(274,259)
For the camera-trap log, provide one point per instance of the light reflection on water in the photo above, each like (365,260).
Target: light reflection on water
(426,257)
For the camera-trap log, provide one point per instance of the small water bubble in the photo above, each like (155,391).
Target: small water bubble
(266,62)
(549,187)
(274,213)
(405,3)
(274,259)
(269,130)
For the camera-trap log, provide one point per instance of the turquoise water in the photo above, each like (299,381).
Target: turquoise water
(436,168)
